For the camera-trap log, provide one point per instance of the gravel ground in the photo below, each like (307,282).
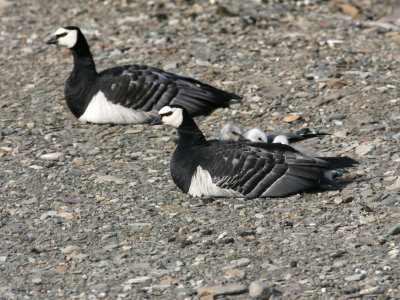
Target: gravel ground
(90,211)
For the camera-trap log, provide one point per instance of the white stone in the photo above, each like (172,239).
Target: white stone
(395,186)
(139,280)
(36,280)
(110,178)
(364,149)
(69,249)
(53,156)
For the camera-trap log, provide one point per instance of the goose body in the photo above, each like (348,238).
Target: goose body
(128,94)
(241,168)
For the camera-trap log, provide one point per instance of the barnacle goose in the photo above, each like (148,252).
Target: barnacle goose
(232,132)
(128,94)
(241,168)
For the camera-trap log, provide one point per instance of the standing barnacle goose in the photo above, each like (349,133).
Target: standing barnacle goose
(131,93)
(241,168)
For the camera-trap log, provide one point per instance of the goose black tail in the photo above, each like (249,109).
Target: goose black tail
(339,162)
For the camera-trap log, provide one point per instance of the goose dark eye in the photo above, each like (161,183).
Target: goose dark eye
(61,35)
(259,139)
(236,133)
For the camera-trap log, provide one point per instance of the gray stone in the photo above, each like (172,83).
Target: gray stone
(395,186)
(395,230)
(229,289)
(110,178)
(243,262)
(365,120)
(170,66)
(337,116)
(340,264)
(235,273)
(259,290)
(390,201)
(355,277)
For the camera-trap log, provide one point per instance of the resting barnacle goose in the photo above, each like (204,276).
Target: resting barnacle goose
(241,168)
(128,94)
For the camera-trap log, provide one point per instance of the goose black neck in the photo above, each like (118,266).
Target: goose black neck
(82,56)
(189,132)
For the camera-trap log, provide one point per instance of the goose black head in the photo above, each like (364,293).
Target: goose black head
(65,36)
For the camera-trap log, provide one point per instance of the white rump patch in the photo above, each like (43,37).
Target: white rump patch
(202,185)
(102,111)
(70,39)
(174,119)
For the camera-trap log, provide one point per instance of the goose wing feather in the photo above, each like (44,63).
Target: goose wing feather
(260,170)
(145,88)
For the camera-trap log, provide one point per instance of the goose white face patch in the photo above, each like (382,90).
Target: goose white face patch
(256,135)
(66,37)
(172,116)
(202,185)
(102,111)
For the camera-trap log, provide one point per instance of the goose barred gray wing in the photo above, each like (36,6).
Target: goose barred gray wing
(145,88)
(265,170)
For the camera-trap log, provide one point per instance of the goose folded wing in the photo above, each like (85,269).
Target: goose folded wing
(138,87)
(241,167)
(145,88)
(264,170)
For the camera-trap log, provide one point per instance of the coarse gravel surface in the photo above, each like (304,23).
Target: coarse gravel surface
(90,211)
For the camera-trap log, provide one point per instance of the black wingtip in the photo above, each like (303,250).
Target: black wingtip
(341,162)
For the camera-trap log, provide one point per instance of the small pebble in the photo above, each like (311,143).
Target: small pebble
(139,280)
(69,249)
(395,230)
